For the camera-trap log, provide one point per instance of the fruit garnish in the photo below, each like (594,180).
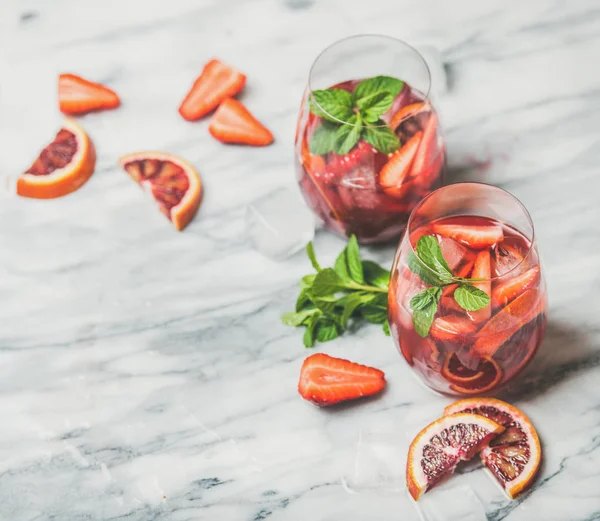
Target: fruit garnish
(216,83)
(514,456)
(62,167)
(173,183)
(427,261)
(453,328)
(463,272)
(77,95)
(325,380)
(396,169)
(329,299)
(505,291)
(505,259)
(233,123)
(427,152)
(408,111)
(507,322)
(483,378)
(476,237)
(482,270)
(349,116)
(438,448)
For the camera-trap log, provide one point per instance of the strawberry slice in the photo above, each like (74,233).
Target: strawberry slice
(233,123)
(216,83)
(508,290)
(78,96)
(396,169)
(508,321)
(452,328)
(482,269)
(477,237)
(325,380)
(428,150)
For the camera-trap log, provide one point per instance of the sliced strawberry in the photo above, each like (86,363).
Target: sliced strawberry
(453,329)
(428,150)
(216,83)
(233,123)
(395,171)
(78,96)
(325,380)
(477,237)
(506,291)
(482,269)
(508,321)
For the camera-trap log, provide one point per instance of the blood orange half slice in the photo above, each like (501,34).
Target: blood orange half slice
(439,447)
(62,167)
(174,183)
(514,456)
(464,380)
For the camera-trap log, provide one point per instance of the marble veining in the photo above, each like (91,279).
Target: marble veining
(145,375)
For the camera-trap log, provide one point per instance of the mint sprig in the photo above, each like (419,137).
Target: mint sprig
(347,117)
(429,264)
(329,300)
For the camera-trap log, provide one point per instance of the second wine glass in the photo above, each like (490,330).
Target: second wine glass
(368,142)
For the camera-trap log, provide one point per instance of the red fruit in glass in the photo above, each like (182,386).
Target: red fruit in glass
(367,192)
(484,234)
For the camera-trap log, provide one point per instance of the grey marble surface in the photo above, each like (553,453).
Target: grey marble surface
(144,374)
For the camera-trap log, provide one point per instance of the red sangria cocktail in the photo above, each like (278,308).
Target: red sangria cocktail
(368,149)
(467,300)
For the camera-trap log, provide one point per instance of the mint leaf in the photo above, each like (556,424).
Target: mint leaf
(327,282)
(418,268)
(375,315)
(353,258)
(323,139)
(375,275)
(377,84)
(351,303)
(309,334)
(307,281)
(326,330)
(326,304)
(303,299)
(334,105)
(423,318)
(425,298)
(471,298)
(386,328)
(382,138)
(375,104)
(430,253)
(347,135)
(341,266)
(298,318)
(310,251)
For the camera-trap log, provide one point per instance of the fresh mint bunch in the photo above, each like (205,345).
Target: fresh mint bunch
(330,298)
(431,267)
(348,116)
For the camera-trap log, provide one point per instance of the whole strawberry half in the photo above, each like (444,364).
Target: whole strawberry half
(325,380)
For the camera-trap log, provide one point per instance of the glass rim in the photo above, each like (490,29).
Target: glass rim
(390,39)
(487,185)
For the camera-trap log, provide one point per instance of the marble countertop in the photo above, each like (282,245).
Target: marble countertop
(145,374)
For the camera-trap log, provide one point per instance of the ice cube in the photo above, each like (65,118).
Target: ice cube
(458,503)
(452,252)
(279,224)
(377,462)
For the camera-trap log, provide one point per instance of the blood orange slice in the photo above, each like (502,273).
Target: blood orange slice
(62,167)
(464,380)
(439,447)
(514,456)
(174,183)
